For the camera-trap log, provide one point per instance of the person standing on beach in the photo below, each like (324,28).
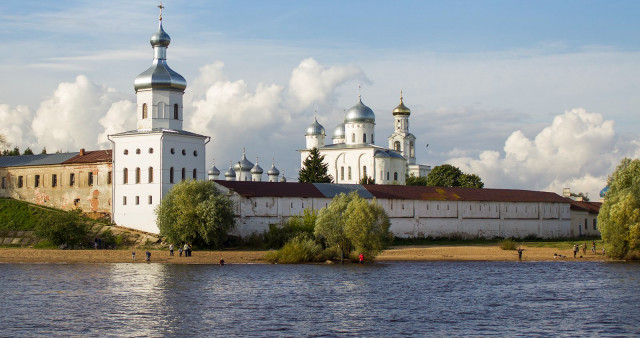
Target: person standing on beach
(133,254)
(361,259)
(186,250)
(148,254)
(221,261)
(520,250)
(170,249)
(575,250)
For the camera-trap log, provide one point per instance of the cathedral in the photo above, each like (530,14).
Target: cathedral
(353,157)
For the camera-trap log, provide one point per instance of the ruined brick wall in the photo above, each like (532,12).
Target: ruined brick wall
(64,186)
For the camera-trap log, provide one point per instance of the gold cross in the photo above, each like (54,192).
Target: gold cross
(161,7)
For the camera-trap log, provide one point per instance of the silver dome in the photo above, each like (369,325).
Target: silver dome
(244,164)
(159,75)
(256,169)
(230,172)
(315,129)
(273,171)
(214,170)
(338,131)
(360,113)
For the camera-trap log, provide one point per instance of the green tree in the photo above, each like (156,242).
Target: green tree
(351,222)
(63,228)
(314,170)
(447,175)
(28,151)
(367,180)
(44,151)
(417,181)
(14,152)
(195,212)
(619,217)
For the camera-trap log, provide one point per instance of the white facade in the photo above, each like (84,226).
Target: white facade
(420,218)
(148,161)
(352,154)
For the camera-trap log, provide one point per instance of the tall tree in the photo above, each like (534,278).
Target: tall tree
(417,181)
(619,217)
(195,212)
(447,175)
(350,222)
(314,170)
(44,151)
(28,151)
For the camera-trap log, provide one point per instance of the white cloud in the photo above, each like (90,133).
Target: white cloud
(578,150)
(120,117)
(15,125)
(69,120)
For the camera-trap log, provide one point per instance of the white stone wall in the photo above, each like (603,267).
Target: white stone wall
(159,109)
(578,228)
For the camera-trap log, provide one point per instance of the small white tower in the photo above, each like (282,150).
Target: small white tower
(273,173)
(315,134)
(256,172)
(402,140)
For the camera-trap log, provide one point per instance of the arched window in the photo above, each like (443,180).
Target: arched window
(364,138)
(144,111)
(137,175)
(395,176)
(372,141)
(125,176)
(364,171)
(175,111)
(396,145)
(184,174)
(150,174)
(353,138)
(171,175)
(341,173)
(412,150)
(195,173)
(349,173)
(586,225)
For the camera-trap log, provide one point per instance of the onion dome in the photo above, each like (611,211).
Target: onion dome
(243,164)
(214,171)
(273,171)
(256,168)
(159,75)
(401,109)
(338,131)
(360,113)
(315,129)
(230,172)
(604,191)
(283,179)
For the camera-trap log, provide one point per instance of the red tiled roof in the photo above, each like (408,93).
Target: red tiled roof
(272,189)
(268,189)
(461,194)
(591,207)
(92,156)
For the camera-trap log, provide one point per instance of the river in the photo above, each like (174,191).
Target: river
(383,299)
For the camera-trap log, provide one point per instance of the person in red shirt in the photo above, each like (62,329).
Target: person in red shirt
(361,258)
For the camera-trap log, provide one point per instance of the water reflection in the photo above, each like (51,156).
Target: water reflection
(421,298)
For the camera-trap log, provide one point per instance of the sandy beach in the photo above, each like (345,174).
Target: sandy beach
(412,253)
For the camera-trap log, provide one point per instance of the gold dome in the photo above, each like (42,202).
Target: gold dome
(401,109)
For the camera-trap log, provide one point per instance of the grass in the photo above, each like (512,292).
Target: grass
(558,243)
(18,215)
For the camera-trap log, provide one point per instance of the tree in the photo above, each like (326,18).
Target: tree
(351,222)
(195,212)
(314,170)
(44,151)
(28,151)
(447,175)
(619,217)
(14,152)
(3,143)
(367,180)
(418,181)
(63,228)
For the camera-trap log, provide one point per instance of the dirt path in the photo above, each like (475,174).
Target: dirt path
(422,253)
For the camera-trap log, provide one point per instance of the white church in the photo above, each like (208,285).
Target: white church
(352,156)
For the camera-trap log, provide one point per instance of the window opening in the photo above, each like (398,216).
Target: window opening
(150,199)
(175,111)
(109,178)
(195,173)
(150,174)
(37,182)
(72,179)
(137,200)
(171,175)
(184,174)
(125,176)
(138,175)
(20,182)
(144,111)
(124,200)
(90,179)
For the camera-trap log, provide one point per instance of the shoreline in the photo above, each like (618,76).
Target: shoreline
(401,253)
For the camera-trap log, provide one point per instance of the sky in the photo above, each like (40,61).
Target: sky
(536,95)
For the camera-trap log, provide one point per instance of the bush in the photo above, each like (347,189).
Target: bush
(299,249)
(64,228)
(508,244)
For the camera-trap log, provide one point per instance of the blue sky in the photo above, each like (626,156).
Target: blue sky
(502,88)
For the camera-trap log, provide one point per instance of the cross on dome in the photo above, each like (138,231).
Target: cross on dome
(161,7)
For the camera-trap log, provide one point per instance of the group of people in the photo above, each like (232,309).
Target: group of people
(576,249)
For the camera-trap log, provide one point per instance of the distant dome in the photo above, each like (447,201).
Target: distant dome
(360,113)
(338,131)
(401,109)
(315,129)
(246,164)
(214,171)
(230,172)
(273,171)
(256,169)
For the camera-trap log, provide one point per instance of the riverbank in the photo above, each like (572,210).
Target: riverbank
(412,253)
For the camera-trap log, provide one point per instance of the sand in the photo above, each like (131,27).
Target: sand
(413,253)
